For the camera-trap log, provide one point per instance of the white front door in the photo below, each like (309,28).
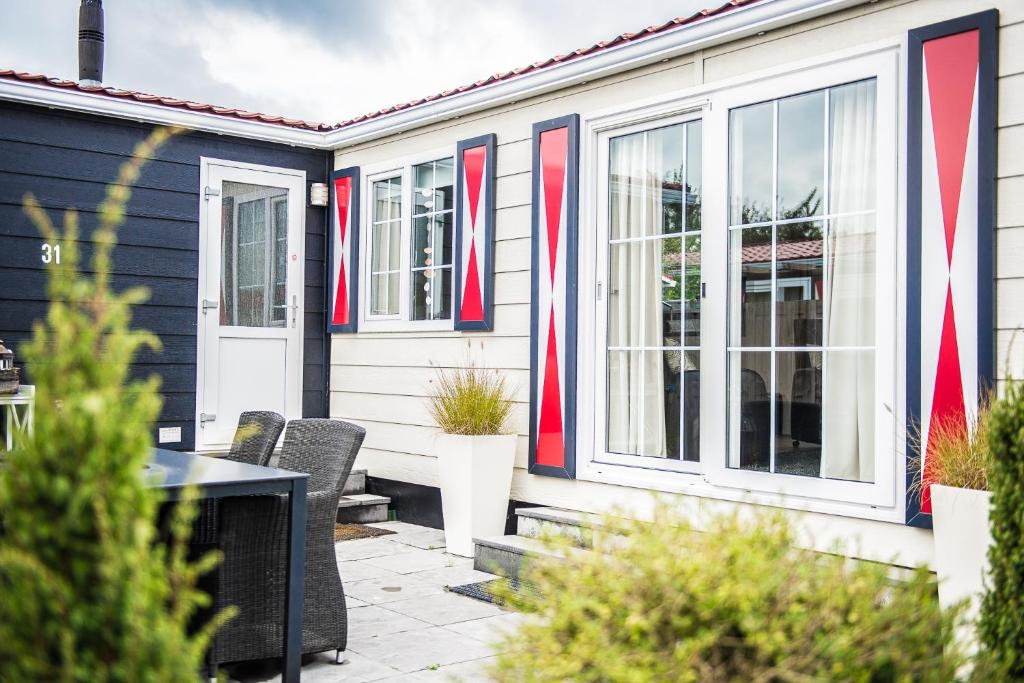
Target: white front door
(250,297)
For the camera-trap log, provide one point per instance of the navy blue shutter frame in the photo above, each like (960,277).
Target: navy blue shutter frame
(486,221)
(540,461)
(351,252)
(986,24)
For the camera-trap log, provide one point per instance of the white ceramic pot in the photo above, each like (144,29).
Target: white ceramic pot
(476,477)
(962,538)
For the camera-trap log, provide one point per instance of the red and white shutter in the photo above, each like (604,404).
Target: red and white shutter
(474,234)
(553,302)
(951,219)
(343,256)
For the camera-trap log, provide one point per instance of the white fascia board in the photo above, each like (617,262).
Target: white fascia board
(732,25)
(127,108)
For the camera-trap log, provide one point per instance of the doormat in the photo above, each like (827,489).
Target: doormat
(350,532)
(484,590)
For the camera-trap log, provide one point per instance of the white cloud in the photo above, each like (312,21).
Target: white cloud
(362,56)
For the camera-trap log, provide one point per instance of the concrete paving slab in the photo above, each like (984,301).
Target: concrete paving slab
(446,608)
(411,651)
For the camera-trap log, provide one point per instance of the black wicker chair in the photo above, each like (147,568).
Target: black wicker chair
(256,437)
(252,536)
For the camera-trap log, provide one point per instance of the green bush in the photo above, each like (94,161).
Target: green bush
(470,401)
(734,603)
(1001,626)
(90,595)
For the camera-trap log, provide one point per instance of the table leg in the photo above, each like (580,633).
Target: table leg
(294,581)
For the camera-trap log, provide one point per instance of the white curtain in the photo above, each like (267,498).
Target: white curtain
(636,386)
(849,391)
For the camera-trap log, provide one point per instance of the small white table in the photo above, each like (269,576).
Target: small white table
(17,409)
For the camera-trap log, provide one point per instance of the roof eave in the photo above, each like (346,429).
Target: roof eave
(744,21)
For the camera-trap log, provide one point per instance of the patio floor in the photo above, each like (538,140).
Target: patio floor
(402,623)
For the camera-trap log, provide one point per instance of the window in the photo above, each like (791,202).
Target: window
(653,333)
(411,232)
(802,284)
(744,320)
(255,252)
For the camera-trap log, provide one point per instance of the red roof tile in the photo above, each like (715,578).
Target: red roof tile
(322,127)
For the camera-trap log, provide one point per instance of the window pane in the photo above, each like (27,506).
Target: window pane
(691,293)
(852,138)
(851,295)
(386,247)
(625,302)
(750,164)
(255,255)
(384,294)
(694,174)
(432,294)
(432,240)
(623,401)
(691,406)
(750,410)
(665,159)
(798,413)
(799,282)
(444,185)
(801,155)
(850,416)
(433,186)
(750,287)
(626,182)
(664,279)
(659,431)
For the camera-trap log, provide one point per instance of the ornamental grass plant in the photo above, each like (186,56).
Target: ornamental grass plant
(736,602)
(470,401)
(956,456)
(90,591)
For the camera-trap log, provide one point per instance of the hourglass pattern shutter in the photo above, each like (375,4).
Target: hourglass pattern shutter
(474,234)
(343,248)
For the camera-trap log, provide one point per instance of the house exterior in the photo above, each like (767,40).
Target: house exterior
(739,259)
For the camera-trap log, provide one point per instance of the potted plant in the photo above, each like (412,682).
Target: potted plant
(475,455)
(957,468)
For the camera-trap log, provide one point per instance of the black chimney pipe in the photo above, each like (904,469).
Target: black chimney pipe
(90,42)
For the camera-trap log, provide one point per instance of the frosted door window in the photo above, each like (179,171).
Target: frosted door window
(654,259)
(802,284)
(254,236)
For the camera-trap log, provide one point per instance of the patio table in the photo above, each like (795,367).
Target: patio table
(218,478)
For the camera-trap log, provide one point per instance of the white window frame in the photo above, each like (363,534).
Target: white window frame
(883,499)
(601,453)
(400,322)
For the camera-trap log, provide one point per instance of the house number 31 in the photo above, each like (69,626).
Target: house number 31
(51,253)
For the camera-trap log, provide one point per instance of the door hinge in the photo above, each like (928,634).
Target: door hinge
(207,305)
(599,287)
(210,192)
(206,417)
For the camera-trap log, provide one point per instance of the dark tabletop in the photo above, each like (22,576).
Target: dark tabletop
(172,470)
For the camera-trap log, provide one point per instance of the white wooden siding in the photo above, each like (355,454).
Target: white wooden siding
(381,380)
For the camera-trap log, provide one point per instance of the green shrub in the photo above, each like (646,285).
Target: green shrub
(1001,626)
(89,593)
(470,401)
(734,603)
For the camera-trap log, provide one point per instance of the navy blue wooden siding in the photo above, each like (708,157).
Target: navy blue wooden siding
(66,160)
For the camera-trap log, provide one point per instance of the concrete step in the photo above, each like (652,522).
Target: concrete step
(585,530)
(356,483)
(507,555)
(363,508)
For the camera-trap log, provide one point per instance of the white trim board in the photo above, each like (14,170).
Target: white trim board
(748,20)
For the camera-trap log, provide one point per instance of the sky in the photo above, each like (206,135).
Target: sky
(320,60)
(315,59)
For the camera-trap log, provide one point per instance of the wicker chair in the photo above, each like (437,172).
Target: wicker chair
(253,533)
(257,447)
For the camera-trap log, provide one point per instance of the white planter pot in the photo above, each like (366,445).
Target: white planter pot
(476,477)
(962,538)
